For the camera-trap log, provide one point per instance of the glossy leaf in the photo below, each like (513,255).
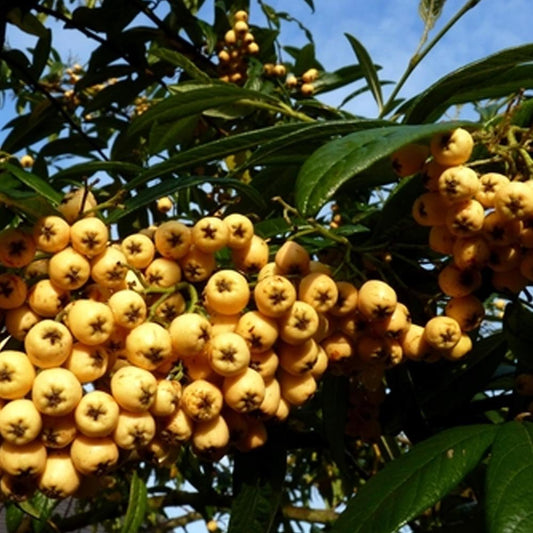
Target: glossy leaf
(88,169)
(368,68)
(179,60)
(169,186)
(473,79)
(33,182)
(137,505)
(509,488)
(410,484)
(340,160)
(193,101)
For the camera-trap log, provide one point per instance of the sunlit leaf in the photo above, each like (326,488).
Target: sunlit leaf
(415,481)
(430,11)
(340,160)
(368,68)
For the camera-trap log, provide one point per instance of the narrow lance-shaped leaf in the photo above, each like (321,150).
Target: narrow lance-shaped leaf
(33,182)
(369,70)
(136,505)
(431,103)
(415,481)
(338,161)
(509,488)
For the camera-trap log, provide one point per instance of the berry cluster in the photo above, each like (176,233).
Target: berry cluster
(238,44)
(484,222)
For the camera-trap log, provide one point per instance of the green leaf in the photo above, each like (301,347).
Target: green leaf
(137,504)
(508,506)
(518,330)
(473,79)
(170,186)
(410,484)
(340,160)
(258,477)
(88,169)
(369,70)
(181,61)
(195,100)
(33,182)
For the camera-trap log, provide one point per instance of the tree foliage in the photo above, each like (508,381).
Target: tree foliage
(156,112)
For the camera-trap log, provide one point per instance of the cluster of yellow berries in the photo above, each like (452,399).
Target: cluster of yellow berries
(303,83)
(238,44)
(481,221)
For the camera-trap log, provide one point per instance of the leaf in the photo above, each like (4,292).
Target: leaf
(169,186)
(193,101)
(433,102)
(509,489)
(137,504)
(430,11)
(410,484)
(369,70)
(179,60)
(258,477)
(88,169)
(34,182)
(338,161)
(518,331)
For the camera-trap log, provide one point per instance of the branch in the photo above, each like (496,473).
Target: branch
(39,87)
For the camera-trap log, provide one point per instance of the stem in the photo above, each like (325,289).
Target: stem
(421,53)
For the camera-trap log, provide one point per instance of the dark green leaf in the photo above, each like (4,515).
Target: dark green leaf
(26,21)
(88,169)
(508,507)
(215,150)
(35,126)
(183,62)
(137,504)
(81,145)
(415,481)
(340,160)
(33,182)
(258,478)
(194,100)
(13,517)
(169,186)
(369,70)
(41,54)
(518,331)
(478,77)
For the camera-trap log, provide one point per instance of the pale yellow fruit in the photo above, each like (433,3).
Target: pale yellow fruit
(16,374)
(299,323)
(24,459)
(76,203)
(134,430)
(210,234)
(167,397)
(452,148)
(56,391)
(252,257)
(190,334)
(47,299)
(347,297)
(13,291)
(90,322)
(138,249)
(442,332)
(201,400)
(128,308)
(292,258)
(59,479)
(376,300)
(319,290)
(17,248)
(134,388)
(240,230)
(296,389)
(228,354)
(163,272)
(69,269)
(210,438)
(196,265)
(244,392)
(51,233)
(109,268)
(274,296)
(265,363)
(148,345)
(89,236)
(227,292)
(173,239)
(259,331)
(297,359)
(96,414)
(93,455)
(20,421)
(176,428)
(58,431)
(48,343)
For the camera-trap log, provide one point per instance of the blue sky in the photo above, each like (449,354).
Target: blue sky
(389,29)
